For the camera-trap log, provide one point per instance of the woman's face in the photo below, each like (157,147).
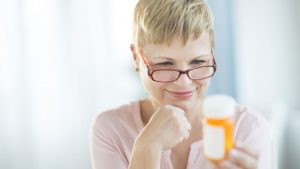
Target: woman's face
(184,92)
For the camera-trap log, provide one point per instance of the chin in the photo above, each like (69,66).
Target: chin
(186,105)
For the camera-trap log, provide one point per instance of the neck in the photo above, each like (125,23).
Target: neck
(147,110)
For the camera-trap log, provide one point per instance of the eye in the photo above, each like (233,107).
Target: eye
(167,63)
(198,62)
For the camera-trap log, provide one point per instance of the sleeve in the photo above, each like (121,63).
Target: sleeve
(260,140)
(103,151)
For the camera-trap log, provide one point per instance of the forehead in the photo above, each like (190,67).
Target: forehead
(176,49)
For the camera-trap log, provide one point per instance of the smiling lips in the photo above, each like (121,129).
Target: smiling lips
(182,95)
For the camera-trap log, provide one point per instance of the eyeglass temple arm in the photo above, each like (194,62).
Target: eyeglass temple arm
(214,61)
(143,58)
(145,61)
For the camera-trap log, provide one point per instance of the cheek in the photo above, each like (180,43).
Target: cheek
(203,85)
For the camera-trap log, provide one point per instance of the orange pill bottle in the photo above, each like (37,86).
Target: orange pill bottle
(218,126)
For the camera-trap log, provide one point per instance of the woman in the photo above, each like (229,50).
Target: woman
(172,50)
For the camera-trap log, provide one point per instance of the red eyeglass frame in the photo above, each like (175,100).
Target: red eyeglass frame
(150,73)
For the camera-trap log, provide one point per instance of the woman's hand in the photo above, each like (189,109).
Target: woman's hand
(167,127)
(241,157)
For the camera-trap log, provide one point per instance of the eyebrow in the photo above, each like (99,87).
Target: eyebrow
(171,59)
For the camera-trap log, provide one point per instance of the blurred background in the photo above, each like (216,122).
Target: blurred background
(62,62)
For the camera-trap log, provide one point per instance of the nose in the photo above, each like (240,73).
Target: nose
(183,79)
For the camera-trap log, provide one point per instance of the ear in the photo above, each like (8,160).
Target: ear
(135,57)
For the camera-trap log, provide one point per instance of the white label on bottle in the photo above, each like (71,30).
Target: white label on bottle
(213,140)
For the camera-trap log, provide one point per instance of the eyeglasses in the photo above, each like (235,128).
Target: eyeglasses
(170,75)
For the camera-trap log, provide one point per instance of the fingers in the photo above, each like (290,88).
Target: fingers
(168,126)
(185,126)
(184,122)
(228,165)
(180,114)
(246,149)
(243,159)
(187,134)
(180,121)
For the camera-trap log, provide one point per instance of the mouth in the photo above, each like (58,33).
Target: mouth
(182,94)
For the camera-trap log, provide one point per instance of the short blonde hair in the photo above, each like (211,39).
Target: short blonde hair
(159,21)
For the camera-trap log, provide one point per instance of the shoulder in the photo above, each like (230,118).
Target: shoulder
(119,113)
(113,131)
(120,116)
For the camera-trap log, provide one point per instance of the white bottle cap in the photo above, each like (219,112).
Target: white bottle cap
(218,106)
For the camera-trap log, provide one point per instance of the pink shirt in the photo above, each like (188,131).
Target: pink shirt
(114,131)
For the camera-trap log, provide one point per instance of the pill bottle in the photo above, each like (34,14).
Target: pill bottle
(218,126)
